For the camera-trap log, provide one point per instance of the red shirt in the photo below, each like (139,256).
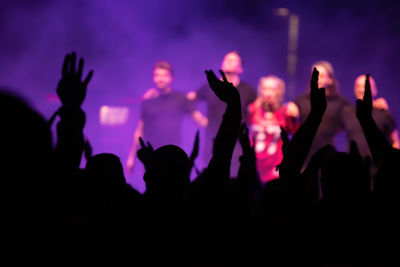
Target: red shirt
(265,131)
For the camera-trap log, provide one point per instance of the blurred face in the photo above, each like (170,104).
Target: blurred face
(269,91)
(324,79)
(162,78)
(359,87)
(232,63)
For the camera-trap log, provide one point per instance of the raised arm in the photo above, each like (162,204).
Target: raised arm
(299,147)
(72,92)
(228,132)
(248,182)
(377,142)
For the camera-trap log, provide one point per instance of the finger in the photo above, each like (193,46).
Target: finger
(80,69)
(314,79)
(142,144)
(150,146)
(211,74)
(211,78)
(64,71)
(73,62)
(88,77)
(367,95)
(223,76)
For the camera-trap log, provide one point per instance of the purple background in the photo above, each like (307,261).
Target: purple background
(121,40)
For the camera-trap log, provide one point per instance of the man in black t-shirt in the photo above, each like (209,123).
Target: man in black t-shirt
(162,113)
(382,116)
(232,67)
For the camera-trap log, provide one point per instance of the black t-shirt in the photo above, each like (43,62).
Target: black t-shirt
(332,122)
(162,118)
(383,119)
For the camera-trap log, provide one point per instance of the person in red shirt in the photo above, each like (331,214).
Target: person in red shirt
(266,115)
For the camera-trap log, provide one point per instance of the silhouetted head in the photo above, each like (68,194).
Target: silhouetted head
(162,76)
(169,170)
(232,63)
(106,170)
(26,152)
(326,77)
(25,136)
(359,86)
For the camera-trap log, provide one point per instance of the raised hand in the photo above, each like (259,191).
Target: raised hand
(195,150)
(224,90)
(364,107)
(71,89)
(145,152)
(317,95)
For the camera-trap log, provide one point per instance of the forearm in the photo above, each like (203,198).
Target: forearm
(300,145)
(70,138)
(226,137)
(377,142)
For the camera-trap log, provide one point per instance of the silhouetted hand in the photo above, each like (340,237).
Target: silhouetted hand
(317,95)
(224,90)
(195,150)
(364,107)
(145,152)
(71,89)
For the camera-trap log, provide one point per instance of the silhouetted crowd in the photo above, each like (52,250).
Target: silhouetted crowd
(328,211)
